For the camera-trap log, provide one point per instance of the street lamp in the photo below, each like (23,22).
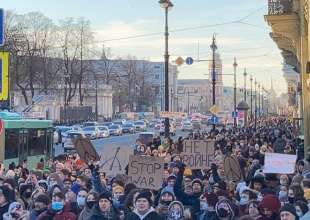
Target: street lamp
(258,99)
(235,92)
(251,100)
(245,75)
(167,5)
(255,104)
(214,48)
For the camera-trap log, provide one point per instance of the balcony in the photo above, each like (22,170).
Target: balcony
(280,7)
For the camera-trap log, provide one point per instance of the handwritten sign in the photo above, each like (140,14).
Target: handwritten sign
(146,172)
(279,163)
(85,149)
(114,160)
(198,154)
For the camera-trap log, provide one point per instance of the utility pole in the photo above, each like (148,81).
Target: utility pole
(255,104)
(259,100)
(96,107)
(263,100)
(235,92)
(251,100)
(214,48)
(245,75)
(187,102)
(171,97)
(167,5)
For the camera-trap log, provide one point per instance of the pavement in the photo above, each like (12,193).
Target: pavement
(120,141)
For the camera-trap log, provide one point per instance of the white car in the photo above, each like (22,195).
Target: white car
(140,125)
(187,126)
(115,130)
(92,132)
(104,131)
(69,140)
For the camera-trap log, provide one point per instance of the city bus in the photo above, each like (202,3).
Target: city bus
(29,139)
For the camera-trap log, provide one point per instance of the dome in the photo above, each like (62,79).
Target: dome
(243,106)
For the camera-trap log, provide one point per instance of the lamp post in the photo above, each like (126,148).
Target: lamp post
(244,92)
(258,99)
(171,98)
(167,5)
(262,101)
(251,100)
(96,94)
(214,48)
(255,104)
(235,92)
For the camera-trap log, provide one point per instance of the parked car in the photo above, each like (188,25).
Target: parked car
(140,125)
(129,128)
(104,131)
(187,126)
(69,140)
(92,132)
(107,124)
(90,123)
(146,138)
(116,130)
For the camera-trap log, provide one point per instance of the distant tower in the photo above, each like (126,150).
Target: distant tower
(219,80)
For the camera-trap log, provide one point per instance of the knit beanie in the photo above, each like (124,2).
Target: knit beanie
(271,202)
(75,188)
(197,181)
(45,199)
(291,209)
(188,172)
(145,195)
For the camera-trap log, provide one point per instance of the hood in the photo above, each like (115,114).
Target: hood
(145,215)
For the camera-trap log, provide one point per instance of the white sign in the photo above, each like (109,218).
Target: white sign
(279,163)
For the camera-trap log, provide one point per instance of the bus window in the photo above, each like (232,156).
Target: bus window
(11,144)
(36,142)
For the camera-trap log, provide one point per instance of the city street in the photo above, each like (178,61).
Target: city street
(124,140)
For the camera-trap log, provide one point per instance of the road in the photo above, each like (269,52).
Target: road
(124,140)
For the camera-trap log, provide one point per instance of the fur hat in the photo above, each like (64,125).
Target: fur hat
(271,202)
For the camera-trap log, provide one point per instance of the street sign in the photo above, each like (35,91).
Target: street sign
(234,114)
(189,61)
(179,61)
(1,26)
(215,120)
(214,109)
(4,76)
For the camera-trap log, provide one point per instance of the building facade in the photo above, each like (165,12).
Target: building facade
(289,21)
(193,95)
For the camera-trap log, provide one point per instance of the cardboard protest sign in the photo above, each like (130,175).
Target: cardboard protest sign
(114,160)
(198,154)
(279,163)
(232,169)
(146,172)
(85,149)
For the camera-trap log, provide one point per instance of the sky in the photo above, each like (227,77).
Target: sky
(239,25)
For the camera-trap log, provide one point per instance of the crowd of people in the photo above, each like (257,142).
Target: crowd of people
(68,188)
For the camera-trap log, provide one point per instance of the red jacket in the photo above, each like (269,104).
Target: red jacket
(66,214)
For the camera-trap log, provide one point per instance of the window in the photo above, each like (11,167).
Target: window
(11,144)
(156,76)
(36,142)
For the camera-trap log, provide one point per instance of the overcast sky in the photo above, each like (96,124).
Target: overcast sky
(239,25)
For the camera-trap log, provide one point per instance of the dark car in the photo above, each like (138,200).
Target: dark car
(146,138)
(129,128)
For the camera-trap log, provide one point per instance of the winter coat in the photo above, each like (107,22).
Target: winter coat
(25,216)
(96,214)
(150,215)
(207,215)
(187,200)
(85,214)
(34,214)
(65,214)
(162,210)
(3,210)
